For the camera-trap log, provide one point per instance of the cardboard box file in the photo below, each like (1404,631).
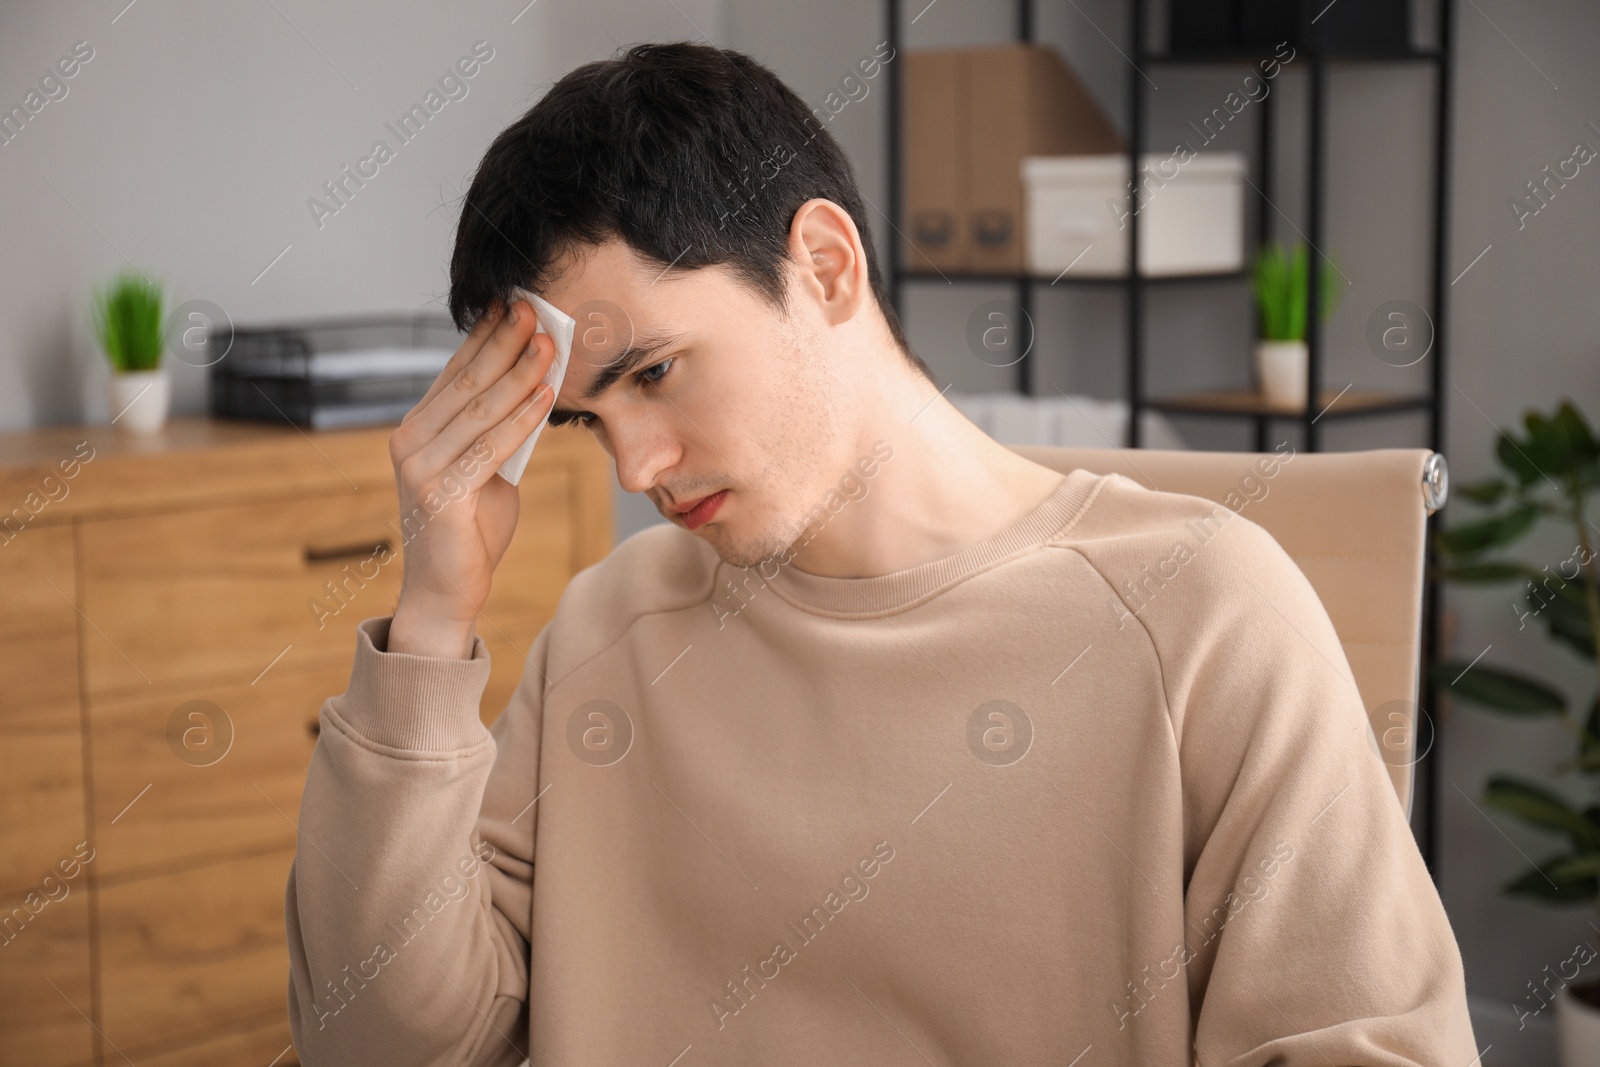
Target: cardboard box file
(934,173)
(971,116)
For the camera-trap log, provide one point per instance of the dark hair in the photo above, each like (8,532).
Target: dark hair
(669,147)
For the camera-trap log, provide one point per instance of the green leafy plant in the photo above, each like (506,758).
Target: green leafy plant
(128,321)
(1551,472)
(1280,280)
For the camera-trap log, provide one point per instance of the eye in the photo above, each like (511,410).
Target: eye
(644,378)
(582,418)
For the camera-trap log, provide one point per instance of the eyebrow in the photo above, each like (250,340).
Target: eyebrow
(641,351)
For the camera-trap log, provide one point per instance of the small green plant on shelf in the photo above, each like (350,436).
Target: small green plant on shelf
(1280,282)
(128,322)
(1549,473)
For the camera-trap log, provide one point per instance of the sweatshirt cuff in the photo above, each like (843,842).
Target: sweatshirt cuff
(414,703)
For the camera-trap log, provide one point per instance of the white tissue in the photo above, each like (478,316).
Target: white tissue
(559,325)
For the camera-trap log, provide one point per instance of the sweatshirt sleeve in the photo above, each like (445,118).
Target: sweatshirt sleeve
(409,900)
(1315,935)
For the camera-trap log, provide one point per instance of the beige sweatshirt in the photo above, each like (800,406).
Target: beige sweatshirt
(1098,790)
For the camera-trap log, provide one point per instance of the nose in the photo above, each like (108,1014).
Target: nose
(641,455)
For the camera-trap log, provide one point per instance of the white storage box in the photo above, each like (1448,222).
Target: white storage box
(1191,214)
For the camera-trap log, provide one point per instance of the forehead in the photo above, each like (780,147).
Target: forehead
(606,292)
(619,300)
(611,270)
(622,311)
(613,295)
(651,293)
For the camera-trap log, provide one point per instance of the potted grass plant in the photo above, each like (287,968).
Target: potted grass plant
(1280,282)
(129,316)
(1550,473)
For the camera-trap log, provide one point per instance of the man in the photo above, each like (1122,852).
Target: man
(892,747)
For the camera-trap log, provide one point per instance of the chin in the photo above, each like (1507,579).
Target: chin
(730,551)
(741,552)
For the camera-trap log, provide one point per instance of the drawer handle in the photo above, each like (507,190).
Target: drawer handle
(365,548)
(314,727)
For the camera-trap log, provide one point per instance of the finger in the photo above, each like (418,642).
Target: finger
(509,341)
(512,392)
(463,355)
(479,462)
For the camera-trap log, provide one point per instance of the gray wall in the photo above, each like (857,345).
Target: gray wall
(1525,326)
(192,140)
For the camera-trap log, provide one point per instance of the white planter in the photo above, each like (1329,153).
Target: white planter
(139,399)
(1281,371)
(1578,1027)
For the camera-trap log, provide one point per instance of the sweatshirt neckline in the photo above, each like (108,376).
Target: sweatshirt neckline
(887,593)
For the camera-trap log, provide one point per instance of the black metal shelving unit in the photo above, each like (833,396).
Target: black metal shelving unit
(1243,404)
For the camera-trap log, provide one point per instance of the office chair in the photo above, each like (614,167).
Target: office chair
(1354,523)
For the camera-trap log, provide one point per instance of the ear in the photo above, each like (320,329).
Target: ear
(825,247)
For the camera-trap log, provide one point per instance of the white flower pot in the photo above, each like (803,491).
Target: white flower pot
(139,399)
(1578,1028)
(1281,371)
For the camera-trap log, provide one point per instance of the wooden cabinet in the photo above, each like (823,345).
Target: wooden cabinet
(196,952)
(45,1003)
(38,628)
(173,613)
(235,789)
(44,916)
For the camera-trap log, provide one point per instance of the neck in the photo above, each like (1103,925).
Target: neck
(947,485)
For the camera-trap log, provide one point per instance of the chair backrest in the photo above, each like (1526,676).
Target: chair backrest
(1354,522)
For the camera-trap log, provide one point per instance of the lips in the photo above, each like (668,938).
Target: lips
(700,512)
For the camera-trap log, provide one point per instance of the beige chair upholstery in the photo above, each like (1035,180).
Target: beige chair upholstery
(1354,522)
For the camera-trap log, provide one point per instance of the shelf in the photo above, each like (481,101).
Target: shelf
(1312,143)
(1066,279)
(1248,402)
(1241,55)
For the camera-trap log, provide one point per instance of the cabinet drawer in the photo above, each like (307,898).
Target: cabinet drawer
(168,794)
(219,593)
(41,801)
(38,629)
(40,1026)
(187,954)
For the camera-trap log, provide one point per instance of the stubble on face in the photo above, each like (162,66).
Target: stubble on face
(796,438)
